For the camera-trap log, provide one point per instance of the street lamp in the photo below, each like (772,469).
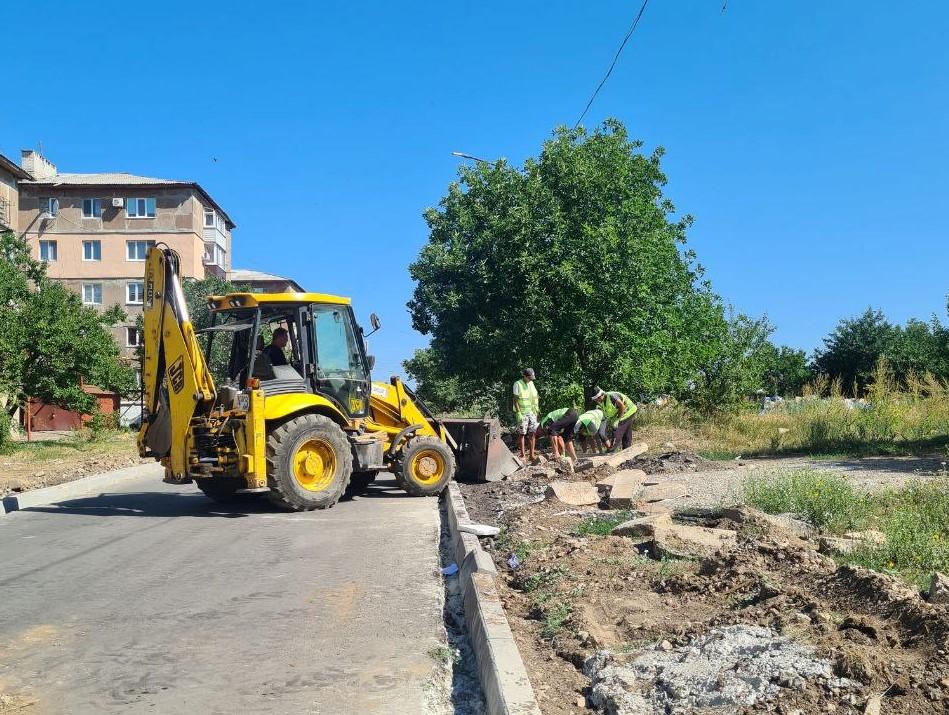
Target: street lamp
(462,155)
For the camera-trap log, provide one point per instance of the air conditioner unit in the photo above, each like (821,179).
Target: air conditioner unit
(118,203)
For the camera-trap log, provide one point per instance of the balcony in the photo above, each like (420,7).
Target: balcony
(214,260)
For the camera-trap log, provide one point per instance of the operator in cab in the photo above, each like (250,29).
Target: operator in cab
(278,342)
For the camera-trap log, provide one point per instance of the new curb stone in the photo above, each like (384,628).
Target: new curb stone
(507,689)
(83,487)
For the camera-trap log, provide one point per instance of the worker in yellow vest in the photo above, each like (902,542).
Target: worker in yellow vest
(618,410)
(526,410)
(559,425)
(590,429)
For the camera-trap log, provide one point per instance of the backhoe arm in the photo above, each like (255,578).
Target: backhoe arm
(176,381)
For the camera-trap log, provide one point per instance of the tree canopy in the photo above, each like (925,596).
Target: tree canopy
(49,341)
(576,265)
(851,351)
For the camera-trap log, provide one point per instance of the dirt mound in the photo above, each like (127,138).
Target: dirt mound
(574,593)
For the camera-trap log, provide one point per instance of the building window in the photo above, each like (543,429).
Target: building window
(140,208)
(50,206)
(48,251)
(133,337)
(135,293)
(92,293)
(214,255)
(92,208)
(138,250)
(92,250)
(208,218)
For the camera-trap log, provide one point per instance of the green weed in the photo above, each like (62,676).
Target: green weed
(554,619)
(601,524)
(914,518)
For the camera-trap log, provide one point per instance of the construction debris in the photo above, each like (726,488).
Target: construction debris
(731,667)
(573,493)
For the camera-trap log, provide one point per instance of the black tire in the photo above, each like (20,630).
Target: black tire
(283,444)
(223,490)
(425,455)
(359,481)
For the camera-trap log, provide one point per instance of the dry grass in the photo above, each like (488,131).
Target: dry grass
(889,421)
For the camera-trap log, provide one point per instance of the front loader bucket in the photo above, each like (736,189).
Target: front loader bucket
(481,455)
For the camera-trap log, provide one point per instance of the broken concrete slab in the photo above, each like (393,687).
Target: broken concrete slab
(642,526)
(573,493)
(608,482)
(626,487)
(479,529)
(654,507)
(617,458)
(939,589)
(661,492)
(680,541)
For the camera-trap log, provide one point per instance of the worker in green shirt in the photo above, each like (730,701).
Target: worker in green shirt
(526,410)
(591,428)
(618,410)
(559,425)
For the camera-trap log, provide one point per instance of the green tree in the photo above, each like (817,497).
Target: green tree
(736,370)
(574,265)
(785,370)
(854,347)
(50,341)
(196,294)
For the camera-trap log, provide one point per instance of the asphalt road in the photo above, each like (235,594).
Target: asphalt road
(153,599)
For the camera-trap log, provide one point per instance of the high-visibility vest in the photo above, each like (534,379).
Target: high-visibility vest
(553,416)
(590,421)
(528,402)
(610,411)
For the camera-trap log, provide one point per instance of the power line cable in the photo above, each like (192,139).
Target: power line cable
(632,29)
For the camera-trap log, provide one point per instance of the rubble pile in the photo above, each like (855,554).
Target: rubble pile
(738,665)
(626,602)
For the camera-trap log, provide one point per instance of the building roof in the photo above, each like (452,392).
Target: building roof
(107,179)
(243,275)
(15,169)
(121,179)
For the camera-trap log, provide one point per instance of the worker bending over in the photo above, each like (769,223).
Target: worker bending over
(526,410)
(559,424)
(618,410)
(591,428)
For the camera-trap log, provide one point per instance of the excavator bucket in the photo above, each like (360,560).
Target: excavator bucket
(481,455)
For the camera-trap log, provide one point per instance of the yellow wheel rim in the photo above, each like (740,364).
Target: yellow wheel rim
(428,466)
(314,465)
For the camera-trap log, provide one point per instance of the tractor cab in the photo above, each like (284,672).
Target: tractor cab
(289,343)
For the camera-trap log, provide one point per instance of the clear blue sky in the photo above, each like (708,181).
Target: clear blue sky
(809,140)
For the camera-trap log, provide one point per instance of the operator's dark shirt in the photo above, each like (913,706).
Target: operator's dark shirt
(276,355)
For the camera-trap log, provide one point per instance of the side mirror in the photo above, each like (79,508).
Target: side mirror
(371,361)
(374,322)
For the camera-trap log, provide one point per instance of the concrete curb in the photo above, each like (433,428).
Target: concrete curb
(507,689)
(78,487)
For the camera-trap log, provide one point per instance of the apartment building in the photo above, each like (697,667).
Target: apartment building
(10,174)
(94,230)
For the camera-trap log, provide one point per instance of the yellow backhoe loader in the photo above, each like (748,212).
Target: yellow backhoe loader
(237,416)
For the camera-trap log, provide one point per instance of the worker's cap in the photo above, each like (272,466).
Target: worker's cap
(599,394)
(528,372)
